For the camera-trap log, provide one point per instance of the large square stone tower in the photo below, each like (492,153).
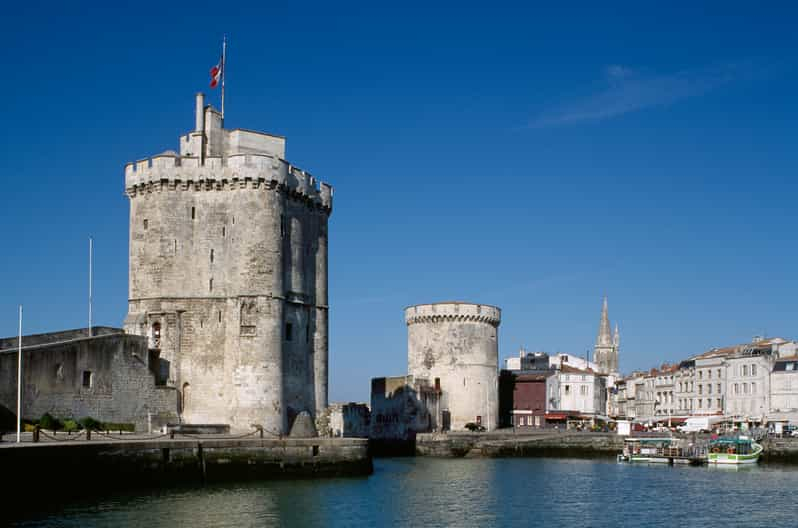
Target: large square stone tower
(228,275)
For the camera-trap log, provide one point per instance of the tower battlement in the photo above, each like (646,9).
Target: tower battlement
(170,171)
(452,312)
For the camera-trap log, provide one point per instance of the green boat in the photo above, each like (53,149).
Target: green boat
(734,450)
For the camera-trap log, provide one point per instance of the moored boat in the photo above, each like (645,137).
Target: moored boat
(734,450)
(663,450)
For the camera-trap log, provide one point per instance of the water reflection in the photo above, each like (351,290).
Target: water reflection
(467,492)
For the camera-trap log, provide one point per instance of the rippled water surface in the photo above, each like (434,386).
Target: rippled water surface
(466,492)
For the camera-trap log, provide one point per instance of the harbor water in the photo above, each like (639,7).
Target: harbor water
(460,492)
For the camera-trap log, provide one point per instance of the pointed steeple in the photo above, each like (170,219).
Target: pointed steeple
(605,334)
(616,340)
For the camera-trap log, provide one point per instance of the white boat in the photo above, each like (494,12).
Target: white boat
(662,450)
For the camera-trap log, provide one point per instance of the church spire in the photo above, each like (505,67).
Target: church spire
(605,334)
(616,340)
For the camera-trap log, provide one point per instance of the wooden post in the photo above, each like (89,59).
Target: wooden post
(36,434)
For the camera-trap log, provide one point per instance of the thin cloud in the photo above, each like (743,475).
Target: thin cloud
(625,90)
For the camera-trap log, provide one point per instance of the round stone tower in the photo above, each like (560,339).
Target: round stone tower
(228,275)
(454,346)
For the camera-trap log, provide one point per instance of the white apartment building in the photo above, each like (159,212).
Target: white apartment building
(583,391)
(664,397)
(784,386)
(748,385)
(710,385)
(684,387)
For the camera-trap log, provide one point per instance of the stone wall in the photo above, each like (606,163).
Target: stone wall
(108,378)
(401,407)
(83,467)
(780,450)
(346,420)
(56,337)
(501,444)
(455,346)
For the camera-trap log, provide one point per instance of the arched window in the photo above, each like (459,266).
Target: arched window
(185,397)
(156,335)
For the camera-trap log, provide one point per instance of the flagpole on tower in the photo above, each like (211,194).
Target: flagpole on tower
(224,67)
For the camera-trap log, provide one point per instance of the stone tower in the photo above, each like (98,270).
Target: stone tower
(454,346)
(228,275)
(605,353)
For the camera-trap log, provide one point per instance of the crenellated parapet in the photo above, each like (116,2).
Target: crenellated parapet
(171,172)
(453,312)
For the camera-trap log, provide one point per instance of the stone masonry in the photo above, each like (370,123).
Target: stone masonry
(454,346)
(111,377)
(228,275)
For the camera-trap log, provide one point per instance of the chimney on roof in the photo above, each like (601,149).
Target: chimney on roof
(199,113)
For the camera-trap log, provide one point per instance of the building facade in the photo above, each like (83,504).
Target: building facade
(582,391)
(784,385)
(534,395)
(454,346)
(748,384)
(745,383)
(228,275)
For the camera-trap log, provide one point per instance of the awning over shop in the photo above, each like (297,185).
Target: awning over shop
(673,420)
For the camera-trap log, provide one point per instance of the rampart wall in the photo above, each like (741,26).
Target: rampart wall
(107,378)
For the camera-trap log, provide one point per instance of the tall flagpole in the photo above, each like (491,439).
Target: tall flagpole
(91,251)
(19,379)
(224,72)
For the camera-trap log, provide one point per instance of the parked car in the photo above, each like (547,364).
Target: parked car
(475,427)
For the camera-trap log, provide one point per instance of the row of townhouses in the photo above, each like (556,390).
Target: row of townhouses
(753,382)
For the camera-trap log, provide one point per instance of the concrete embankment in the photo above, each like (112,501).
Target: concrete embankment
(563,444)
(501,444)
(780,450)
(69,467)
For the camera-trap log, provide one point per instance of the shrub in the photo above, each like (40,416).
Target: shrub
(90,423)
(47,421)
(71,426)
(111,426)
(8,420)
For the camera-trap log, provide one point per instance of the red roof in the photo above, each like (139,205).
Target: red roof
(574,370)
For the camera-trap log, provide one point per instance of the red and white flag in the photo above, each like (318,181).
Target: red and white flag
(216,73)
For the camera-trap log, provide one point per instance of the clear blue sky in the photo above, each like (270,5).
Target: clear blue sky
(530,158)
